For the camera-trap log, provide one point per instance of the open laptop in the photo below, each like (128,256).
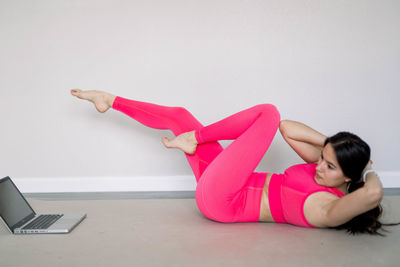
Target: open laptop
(20,218)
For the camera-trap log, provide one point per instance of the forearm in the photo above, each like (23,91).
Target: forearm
(300,132)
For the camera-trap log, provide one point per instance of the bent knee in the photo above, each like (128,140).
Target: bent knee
(180,111)
(271,111)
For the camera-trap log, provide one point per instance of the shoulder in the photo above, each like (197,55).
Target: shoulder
(306,168)
(316,206)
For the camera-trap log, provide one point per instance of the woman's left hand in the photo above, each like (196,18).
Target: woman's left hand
(368,166)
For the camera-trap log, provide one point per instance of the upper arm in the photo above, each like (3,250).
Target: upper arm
(342,210)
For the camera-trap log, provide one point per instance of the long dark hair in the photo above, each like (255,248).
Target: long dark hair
(353,154)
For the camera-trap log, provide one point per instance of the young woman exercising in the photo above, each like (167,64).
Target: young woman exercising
(336,188)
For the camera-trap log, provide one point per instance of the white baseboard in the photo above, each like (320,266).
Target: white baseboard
(106,184)
(134,184)
(390,179)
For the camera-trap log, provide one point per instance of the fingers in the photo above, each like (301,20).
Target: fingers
(368,166)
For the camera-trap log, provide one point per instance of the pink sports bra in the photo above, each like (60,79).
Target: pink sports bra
(287,193)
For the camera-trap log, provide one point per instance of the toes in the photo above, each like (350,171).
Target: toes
(75,92)
(165,141)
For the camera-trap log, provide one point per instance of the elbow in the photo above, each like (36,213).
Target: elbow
(378,196)
(283,126)
(375,196)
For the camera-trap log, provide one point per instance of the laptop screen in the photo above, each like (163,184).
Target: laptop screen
(13,207)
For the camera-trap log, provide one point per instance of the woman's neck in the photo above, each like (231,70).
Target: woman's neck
(343,188)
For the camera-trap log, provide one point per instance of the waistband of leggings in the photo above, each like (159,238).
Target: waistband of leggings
(274,197)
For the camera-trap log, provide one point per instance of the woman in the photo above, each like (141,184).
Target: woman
(326,192)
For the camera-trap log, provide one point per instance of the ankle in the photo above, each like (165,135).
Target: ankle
(193,137)
(110,99)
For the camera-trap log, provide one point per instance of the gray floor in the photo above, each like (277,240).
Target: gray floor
(150,229)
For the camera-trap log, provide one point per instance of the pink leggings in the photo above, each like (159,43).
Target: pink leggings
(228,189)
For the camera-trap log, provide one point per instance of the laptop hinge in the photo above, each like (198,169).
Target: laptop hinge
(23,221)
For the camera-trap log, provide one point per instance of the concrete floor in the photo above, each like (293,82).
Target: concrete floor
(172,232)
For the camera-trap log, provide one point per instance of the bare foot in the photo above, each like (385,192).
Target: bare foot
(102,100)
(186,142)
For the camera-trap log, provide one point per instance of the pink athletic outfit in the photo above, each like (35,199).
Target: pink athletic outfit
(228,189)
(287,193)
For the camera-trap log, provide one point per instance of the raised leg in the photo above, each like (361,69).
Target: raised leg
(176,119)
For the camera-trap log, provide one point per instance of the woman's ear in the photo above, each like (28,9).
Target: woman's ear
(347,180)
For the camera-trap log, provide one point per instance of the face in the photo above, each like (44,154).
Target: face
(328,170)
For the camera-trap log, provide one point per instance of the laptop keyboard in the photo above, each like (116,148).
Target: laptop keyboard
(43,221)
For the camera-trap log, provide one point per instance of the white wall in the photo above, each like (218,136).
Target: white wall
(334,65)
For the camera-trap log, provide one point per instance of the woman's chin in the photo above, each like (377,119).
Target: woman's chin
(318,179)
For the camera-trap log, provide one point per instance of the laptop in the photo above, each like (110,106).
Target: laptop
(20,218)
